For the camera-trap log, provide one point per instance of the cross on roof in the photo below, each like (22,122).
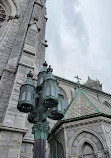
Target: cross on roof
(78,80)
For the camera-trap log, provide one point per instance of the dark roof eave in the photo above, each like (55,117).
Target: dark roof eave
(76,119)
(84,86)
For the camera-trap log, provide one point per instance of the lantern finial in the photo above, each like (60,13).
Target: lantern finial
(45,64)
(30,74)
(49,69)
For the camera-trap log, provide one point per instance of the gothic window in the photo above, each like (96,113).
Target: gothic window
(2,15)
(65,97)
(106,104)
(87,151)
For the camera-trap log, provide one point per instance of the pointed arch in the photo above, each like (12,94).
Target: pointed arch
(87,150)
(82,136)
(105,103)
(2,15)
(84,144)
(65,97)
(10,10)
(10,7)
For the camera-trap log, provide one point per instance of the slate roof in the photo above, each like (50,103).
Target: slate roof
(85,105)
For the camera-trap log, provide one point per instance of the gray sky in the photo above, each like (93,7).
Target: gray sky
(79,39)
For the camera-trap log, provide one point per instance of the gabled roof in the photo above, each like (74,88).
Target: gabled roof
(84,105)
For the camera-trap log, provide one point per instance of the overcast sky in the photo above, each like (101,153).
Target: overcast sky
(79,39)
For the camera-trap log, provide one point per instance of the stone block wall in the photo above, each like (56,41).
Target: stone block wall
(70,88)
(93,131)
(22,48)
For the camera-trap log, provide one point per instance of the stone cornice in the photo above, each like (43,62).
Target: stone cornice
(82,86)
(29,49)
(76,122)
(90,121)
(26,65)
(9,70)
(11,129)
(38,3)
(28,141)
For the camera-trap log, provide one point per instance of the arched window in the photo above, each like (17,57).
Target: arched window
(2,15)
(106,104)
(7,9)
(87,151)
(65,98)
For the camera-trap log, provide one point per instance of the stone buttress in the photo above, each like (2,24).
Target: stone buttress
(22,48)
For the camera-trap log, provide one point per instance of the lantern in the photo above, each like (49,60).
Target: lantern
(57,113)
(27,98)
(41,76)
(50,90)
(32,116)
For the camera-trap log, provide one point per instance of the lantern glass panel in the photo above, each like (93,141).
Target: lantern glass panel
(41,80)
(29,96)
(50,90)
(60,105)
(53,91)
(23,95)
(47,91)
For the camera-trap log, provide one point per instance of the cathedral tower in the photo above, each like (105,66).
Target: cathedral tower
(22,48)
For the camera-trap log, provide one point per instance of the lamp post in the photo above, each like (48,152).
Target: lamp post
(44,100)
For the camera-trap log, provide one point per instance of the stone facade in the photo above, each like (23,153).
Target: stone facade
(22,48)
(94,132)
(85,129)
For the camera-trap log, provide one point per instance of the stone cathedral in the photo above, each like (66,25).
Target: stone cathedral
(85,130)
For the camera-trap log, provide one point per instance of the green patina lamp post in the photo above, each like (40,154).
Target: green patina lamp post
(45,100)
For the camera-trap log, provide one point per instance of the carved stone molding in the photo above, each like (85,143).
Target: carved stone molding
(44,42)
(35,21)
(85,122)
(12,17)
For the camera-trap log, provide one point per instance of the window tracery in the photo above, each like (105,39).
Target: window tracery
(2,15)
(8,12)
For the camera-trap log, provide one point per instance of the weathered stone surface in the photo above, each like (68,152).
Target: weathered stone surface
(22,48)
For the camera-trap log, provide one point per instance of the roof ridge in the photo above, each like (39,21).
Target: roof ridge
(80,91)
(70,104)
(91,102)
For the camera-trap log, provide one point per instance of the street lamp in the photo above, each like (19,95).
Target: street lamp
(41,102)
